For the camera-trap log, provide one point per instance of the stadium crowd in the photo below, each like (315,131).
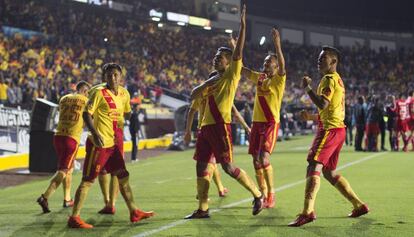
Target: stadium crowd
(74,43)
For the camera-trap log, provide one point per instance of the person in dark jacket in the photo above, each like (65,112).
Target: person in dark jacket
(359,116)
(134,127)
(372,127)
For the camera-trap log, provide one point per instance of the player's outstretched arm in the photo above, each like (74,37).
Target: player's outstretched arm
(240,119)
(238,50)
(318,100)
(246,72)
(198,90)
(278,48)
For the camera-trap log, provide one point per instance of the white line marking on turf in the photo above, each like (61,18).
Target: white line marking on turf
(286,186)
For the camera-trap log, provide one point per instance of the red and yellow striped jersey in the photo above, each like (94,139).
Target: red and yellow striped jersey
(332,89)
(107,108)
(268,98)
(220,96)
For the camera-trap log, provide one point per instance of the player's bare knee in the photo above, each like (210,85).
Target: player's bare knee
(121,173)
(330,176)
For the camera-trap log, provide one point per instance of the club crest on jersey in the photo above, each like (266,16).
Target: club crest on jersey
(262,77)
(326,91)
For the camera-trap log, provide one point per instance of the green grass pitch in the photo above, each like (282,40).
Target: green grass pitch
(166,184)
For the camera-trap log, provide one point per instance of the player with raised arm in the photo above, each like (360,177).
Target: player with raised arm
(270,85)
(215,133)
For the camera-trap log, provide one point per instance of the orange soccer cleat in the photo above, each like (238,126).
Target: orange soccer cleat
(138,215)
(77,222)
(270,200)
(362,210)
(107,210)
(303,219)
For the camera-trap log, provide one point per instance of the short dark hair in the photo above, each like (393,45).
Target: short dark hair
(226,50)
(81,84)
(332,51)
(110,66)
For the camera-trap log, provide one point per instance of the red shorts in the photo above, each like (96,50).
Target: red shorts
(402,126)
(66,149)
(326,147)
(263,137)
(372,128)
(110,159)
(212,157)
(214,140)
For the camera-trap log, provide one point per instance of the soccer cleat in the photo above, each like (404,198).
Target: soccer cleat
(198,214)
(303,219)
(362,210)
(77,222)
(43,203)
(257,205)
(138,215)
(223,193)
(107,210)
(69,203)
(270,200)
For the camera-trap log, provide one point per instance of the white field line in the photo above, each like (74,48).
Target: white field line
(281,188)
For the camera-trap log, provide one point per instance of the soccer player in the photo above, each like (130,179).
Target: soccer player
(107,182)
(410,101)
(403,117)
(66,142)
(215,133)
(270,85)
(198,105)
(324,153)
(107,108)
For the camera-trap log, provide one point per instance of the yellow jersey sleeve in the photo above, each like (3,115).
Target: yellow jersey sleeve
(254,77)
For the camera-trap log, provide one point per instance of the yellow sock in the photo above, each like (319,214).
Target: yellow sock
(217,179)
(203,184)
(248,183)
(80,197)
(261,181)
(104,181)
(345,189)
(113,190)
(312,187)
(126,192)
(268,176)
(67,182)
(54,183)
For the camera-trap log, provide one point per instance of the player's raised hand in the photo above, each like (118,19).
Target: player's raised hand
(243,15)
(232,41)
(275,36)
(306,81)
